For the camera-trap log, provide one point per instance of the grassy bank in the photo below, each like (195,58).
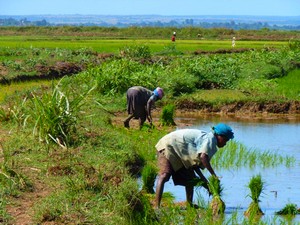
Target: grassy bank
(87,174)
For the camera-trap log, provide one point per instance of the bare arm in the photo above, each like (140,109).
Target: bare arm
(205,162)
(200,174)
(149,106)
(203,178)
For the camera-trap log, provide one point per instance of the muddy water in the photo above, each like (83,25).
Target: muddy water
(282,185)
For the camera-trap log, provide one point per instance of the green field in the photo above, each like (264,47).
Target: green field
(113,46)
(66,157)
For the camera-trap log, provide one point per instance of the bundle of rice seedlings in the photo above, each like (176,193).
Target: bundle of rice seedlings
(256,186)
(217,206)
(289,209)
(167,115)
(149,174)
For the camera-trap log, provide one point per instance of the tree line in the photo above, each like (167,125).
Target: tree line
(172,23)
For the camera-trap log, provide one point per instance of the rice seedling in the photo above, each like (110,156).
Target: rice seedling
(217,206)
(236,155)
(167,115)
(256,186)
(289,209)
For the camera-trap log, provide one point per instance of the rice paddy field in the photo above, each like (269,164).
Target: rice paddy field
(113,46)
(67,159)
(276,161)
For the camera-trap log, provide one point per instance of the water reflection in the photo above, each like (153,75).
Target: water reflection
(276,135)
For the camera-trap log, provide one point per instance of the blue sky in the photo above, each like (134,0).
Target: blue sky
(159,7)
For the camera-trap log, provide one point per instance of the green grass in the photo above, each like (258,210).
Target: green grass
(104,45)
(21,88)
(288,86)
(217,95)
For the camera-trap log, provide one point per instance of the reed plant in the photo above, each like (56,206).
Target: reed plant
(256,186)
(55,115)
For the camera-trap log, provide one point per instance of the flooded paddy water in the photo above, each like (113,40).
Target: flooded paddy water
(282,184)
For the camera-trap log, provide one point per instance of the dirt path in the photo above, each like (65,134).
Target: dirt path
(21,208)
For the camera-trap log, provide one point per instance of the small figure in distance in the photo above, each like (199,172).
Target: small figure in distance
(183,152)
(233,42)
(140,101)
(174,36)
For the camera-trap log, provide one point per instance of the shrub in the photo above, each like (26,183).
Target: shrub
(178,82)
(294,44)
(261,70)
(136,51)
(256,87)
(118,75)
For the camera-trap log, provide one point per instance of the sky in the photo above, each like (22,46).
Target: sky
(151,7)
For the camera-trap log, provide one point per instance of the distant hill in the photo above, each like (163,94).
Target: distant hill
(206,21)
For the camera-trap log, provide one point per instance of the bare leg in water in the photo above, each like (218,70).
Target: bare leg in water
(163,178)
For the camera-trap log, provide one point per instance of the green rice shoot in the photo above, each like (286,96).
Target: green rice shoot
(256,186)
(217,206)
(289,209)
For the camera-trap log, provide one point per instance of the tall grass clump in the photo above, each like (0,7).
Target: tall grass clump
(167,115)
(217,206)
(256,186)
(55,115)
(149,174)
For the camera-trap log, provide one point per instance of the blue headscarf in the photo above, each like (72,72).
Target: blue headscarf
(223,130)
(158,92)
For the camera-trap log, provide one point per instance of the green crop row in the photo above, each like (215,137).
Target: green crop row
(185,33)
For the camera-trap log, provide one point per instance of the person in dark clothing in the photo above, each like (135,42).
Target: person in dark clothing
(140,100)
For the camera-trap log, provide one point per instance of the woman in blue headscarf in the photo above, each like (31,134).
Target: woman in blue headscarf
(184,152)
(140,100)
